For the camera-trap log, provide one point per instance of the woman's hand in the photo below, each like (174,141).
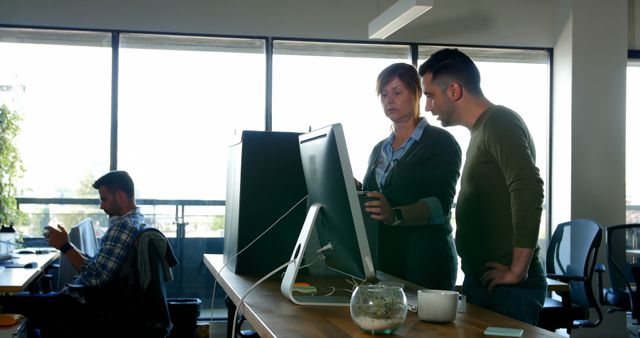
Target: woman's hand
(379,207)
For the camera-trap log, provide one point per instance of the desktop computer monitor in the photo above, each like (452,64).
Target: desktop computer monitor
(265,187)
(334,214)
(83,236)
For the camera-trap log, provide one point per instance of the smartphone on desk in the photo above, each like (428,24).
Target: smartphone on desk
(503,331)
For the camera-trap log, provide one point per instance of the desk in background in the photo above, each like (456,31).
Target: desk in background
(552,285)
(18,279)
(273,315)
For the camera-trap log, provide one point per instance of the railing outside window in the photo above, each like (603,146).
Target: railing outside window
(175,218)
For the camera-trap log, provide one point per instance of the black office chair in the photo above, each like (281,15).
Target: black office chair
(132,304)
(571,258)
(624,262)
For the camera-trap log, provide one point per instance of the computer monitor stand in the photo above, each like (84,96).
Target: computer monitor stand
(287,286)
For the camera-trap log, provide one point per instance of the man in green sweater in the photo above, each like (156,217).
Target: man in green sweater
(501,193)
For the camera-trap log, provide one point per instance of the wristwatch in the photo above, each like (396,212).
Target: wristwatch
(399,217)
(65,247)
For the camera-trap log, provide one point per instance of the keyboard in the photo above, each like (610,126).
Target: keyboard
(12,264)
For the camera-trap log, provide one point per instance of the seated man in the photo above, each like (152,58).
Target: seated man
(107,283)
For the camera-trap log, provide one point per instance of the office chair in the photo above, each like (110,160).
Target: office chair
(571,258)
(623,257)
(134,304)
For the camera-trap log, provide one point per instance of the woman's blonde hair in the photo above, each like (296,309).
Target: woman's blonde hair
(405,73)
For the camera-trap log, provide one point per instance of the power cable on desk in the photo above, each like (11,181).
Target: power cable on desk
(320,256)
(241,303)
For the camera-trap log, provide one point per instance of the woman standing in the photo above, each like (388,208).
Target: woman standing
(412,177)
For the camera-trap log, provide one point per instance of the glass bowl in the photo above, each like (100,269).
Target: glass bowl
(380,308)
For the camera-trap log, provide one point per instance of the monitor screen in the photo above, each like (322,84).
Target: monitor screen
(82,236)
(334,213)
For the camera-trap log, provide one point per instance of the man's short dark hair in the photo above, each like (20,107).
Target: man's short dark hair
(116,180)
(450,64)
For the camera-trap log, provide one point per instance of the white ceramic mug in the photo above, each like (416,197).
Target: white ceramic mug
(438,306)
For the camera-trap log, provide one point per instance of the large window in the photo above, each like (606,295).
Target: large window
(181,101)
(633,143)
(176,103)
(316,84)
(60,84)
(519,80)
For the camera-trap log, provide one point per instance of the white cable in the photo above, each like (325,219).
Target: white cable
(213,296)
(325,248)
(215,281)
(302,266)
(332,290)
(264,232)
(241,302)
(320,256)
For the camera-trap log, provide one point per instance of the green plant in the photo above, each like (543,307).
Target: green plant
(218,223)
(382,306)
(11,167)
(380,301)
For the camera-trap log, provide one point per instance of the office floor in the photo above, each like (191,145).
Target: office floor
(215,329)
(632,327)
(213,324)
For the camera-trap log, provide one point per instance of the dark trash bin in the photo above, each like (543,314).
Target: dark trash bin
(184,314)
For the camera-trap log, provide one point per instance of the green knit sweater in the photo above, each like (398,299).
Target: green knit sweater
(501,192)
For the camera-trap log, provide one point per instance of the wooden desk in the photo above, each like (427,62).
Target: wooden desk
(273,315)
(552,284)
(557,286)
(18,279)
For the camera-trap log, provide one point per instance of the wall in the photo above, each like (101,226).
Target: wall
(478,22)
(634,24)
(589,111)
(487,22)
(561,125)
